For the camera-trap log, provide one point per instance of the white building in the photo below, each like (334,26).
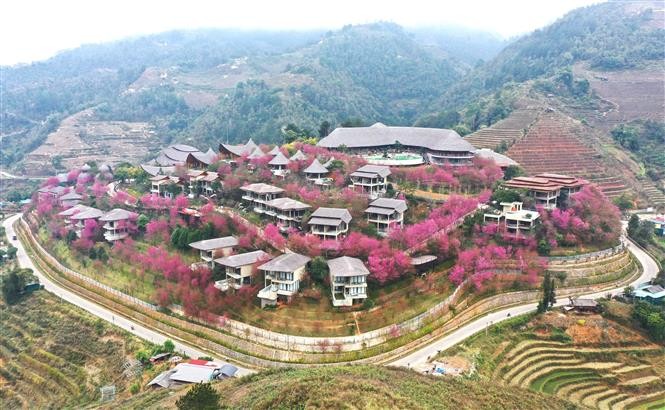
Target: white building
(117,223)
(371,179)
(386,214)
(159,184)
(78,219)
(287,212)
(279,164)
(317,173)
(516,220)
(348,281)
(238,269)
(282,277)
(210,249)
(257,195)
(329,223)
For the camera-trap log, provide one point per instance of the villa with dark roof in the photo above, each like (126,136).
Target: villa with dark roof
(259,194)
(230,151)
(329,223)
(282,277)
(371,179)
(117,223)
(348,281)
(238,269)
(181,155)
(287,212)
(386,214)
(210,249)
(436,146)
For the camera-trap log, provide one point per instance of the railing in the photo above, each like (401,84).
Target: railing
(591,255)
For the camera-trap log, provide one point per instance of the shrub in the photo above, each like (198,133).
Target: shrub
(200,397)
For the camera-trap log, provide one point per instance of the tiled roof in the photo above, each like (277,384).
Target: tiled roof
(388,203)
(332,213)
(371,170)
(298,156)
(215,243)
(287,262)
(242,259)
(500,159)
(261,188)
(347,266)
(279,159)
(89,213)
(274,151)
(435,139)
(316,168)
(287,204)
(117,214)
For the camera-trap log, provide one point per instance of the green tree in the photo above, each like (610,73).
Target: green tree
(512,172)
(318,269)
(623,202)
(633,225)
(201,396)
(549,296)
(142,221)
(324,129)
(13,284)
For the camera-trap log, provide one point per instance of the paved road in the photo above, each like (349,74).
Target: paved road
(423,355)
(97,310)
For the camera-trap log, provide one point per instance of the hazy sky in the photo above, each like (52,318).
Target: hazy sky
(33,30)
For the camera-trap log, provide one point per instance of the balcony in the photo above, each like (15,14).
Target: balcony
(268,293)
(115,236)
(222,285)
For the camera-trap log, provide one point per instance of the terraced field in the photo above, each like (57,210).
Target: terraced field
(554,144)
(53,355)
(508,130)
(587,360)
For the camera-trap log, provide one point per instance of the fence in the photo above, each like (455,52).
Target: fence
(589,256)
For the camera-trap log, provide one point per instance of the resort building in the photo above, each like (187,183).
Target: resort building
(282,277)
(53,192)
(371,179)
(238,269)
(67,213)
(257,153)
(298,156)
(229,151)
(658,225)
(159,185)
(287,212)
(211,249)
(78,219)
(183,155)
(257,195)
(317,173)
(117,224)
(154,170)
(433,145)
(547,188)
(279,164)
(386,214)
(274,151)
(70,199)
(516,220)
(329,223)
(203,182)
(348,281)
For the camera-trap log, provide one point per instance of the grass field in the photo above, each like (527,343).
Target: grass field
(360,387)
(589,360)
(54,355)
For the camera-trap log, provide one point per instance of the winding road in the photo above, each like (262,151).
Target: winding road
(423,355)
(135,328)
(419,357)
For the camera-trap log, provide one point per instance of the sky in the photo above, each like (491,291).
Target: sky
(33,30)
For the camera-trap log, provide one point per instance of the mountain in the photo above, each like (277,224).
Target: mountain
(208,85)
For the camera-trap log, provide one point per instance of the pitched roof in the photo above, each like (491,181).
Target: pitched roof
(347,266)
(316,168)
(73,210)
(298,156)
(286,204)
(546,182)
(154,170)
(388,203)
(274,151)
(215,243)
(89,213)
(118,214)
(279,159)
(242,259)
(256,153)
(71,196)
(332,213)
(435,139)
(500,159)
(261,188)
(371,170)
(287,262)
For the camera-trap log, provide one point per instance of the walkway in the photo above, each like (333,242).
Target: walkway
(133,327)
(650,270)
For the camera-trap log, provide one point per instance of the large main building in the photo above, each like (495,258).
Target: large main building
(435,145)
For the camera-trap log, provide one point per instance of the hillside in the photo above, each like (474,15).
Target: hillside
(362,387)
(596,361)
(206,85)
(54,355)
